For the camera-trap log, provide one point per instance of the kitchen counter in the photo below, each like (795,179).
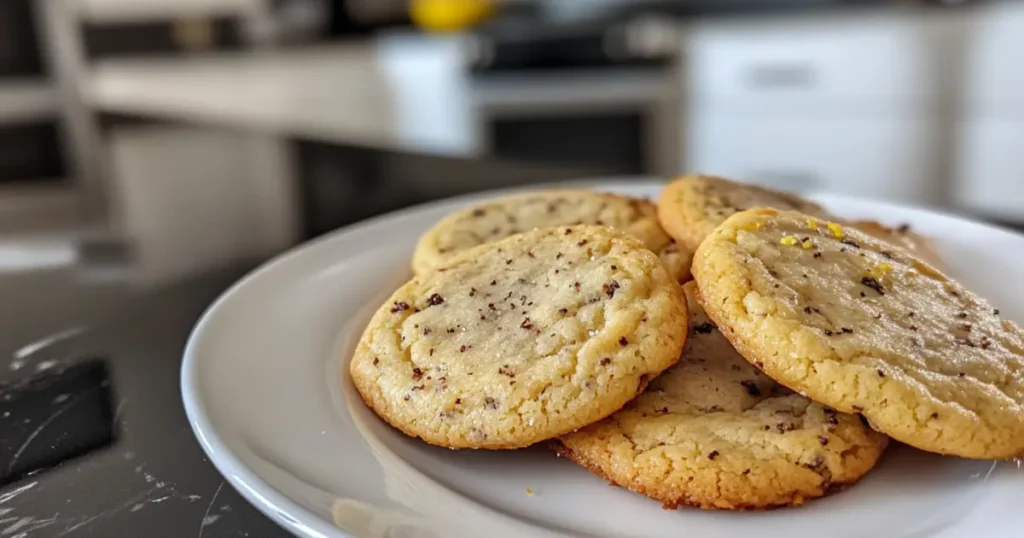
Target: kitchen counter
(93,437)
(401,94)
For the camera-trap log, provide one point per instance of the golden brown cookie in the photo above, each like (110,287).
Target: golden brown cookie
(502,217)
(864,328)
(521,340)
(903,237)
(714,432)
(677,261)
(691,206)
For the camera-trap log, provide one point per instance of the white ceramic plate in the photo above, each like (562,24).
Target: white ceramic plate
(260,385)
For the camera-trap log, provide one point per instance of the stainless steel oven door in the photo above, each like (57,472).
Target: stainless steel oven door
(617,120)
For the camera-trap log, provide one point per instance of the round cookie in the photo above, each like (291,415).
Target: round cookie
(902,237)
(502,217)
(714,432)
(691,206)
(521,340)
(865,328)
(677,261)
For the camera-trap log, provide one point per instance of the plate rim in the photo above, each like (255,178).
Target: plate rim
(257,491)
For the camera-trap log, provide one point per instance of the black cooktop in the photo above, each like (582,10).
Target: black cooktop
(532,36)
(93,438)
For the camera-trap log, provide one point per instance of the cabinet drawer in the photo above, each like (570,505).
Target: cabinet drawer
(836,58)
(994,76)
(988,170)
(869,157)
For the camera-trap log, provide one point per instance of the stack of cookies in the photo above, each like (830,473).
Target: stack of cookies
(730,347)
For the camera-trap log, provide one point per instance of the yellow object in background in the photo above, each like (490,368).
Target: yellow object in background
(449,15)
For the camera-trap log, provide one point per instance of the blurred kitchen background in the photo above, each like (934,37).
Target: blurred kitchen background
(182,135)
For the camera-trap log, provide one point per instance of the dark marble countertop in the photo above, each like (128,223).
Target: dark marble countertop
(93,437)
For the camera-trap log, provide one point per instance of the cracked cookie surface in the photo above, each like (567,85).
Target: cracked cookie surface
(864,328)
(502,217)
(714,432)
(521,340)
(690,207)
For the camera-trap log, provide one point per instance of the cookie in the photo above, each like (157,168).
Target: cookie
(864,328)
(502,217)
(521,340)
(714,432)
(677,261)
(903,237)
(691,206)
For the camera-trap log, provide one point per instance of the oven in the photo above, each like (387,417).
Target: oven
(603,93)
(605,121)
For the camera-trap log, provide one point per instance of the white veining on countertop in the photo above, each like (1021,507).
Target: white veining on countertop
(24,526)
(28,524)
(117,410)
(157,491)
(35,433)
(17,525)
(106,513)
(206,516)
(46,365)
(26,351)
(17,491)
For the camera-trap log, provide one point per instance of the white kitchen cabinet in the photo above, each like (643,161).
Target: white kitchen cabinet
(990,170)
(844,103)
(812,60)
(990,165)
(873,157)
(993,65)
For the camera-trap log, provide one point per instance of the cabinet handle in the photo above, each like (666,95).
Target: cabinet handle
(774,76)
